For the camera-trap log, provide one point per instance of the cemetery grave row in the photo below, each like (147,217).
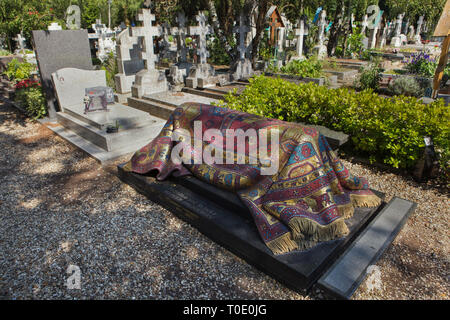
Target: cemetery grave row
(147,94)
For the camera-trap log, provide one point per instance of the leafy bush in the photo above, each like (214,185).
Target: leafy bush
(29,94)
(18,71)
(407,86)
(370,76)
(111,69)
(4,53)
(310,68)
(387,130)
(218,53)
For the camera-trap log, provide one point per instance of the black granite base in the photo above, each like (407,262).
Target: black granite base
(221,216)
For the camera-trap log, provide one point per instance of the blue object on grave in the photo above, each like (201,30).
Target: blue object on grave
(316,16)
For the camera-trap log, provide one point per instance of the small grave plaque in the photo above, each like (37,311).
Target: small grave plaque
(98,98)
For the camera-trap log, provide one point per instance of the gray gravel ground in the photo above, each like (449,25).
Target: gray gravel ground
(59,207)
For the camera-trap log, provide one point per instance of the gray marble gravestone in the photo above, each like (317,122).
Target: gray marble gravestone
(129,63)
(59,49)
(89,130)
(221,216)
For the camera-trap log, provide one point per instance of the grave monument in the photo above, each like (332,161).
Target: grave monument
(242,68)
(396,41)
(417,38)
(201,74)
(148,80)
(320,49)
(59,49)
(300,32)
(129,63)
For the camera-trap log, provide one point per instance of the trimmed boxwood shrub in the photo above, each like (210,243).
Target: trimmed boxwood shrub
(389,130)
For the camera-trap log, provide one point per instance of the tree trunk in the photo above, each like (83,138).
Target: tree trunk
(336,30)
(219,30)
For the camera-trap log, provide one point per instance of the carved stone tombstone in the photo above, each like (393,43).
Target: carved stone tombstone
(300,32)
(242,68)
(417,37)
(201,71)
(129,63)
(396,41)
(149,80)
(179,72)
(320,48)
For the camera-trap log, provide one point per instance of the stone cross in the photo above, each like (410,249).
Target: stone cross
(364,23)
(180,33)
(299,33)
(201,31)
(147,4)
(419,26)
(147,32)
(399,25)
(243,29)
(322,23)
(20,42)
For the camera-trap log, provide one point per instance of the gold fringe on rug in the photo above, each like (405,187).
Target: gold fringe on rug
(346,210)
(282,244)
(316,232)
(127,167)
(360,200)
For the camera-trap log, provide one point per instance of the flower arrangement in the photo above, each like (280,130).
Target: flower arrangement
(422,63)
(27,83)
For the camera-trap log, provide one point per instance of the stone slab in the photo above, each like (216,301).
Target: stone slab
(123,139)
(70,85)
(122,97)
(59,49)
(126,117)
(222,217)
(94,151)
(344,74)
(176,99)
(346,274)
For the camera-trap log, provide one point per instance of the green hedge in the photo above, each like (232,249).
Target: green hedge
(389,130)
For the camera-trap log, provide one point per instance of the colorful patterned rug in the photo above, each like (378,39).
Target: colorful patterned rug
(297,190)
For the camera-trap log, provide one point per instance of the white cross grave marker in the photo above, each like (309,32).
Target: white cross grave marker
(322,24)
(147,32)
(364,23)
(202,30)
(300,32)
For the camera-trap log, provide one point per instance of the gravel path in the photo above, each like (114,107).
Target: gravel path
(59,207)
